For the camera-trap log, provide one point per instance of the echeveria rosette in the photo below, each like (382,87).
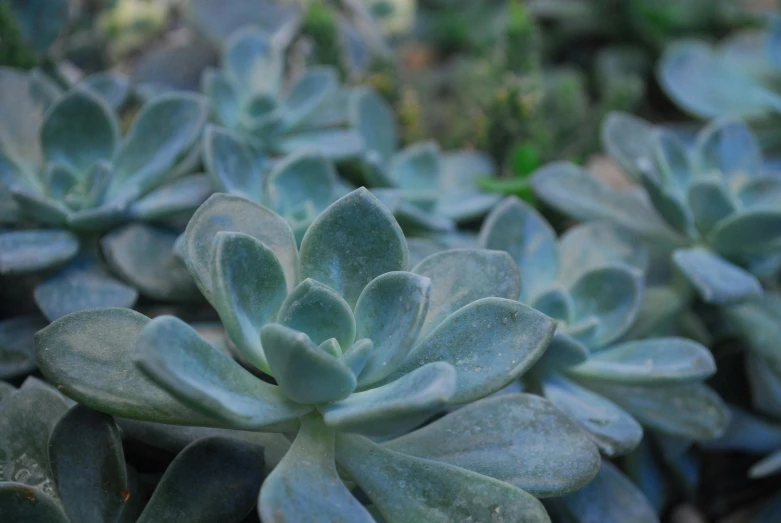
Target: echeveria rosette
(75,182)
(298,187)
(428,191)
(591,281)
(63,464)
(248,96)
(712,207)
(361,350)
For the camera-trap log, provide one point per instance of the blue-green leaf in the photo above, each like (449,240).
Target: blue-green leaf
(180,197)
(30,251)
(309,91)
(41,209)
(336,144)
(374,119)
(520,439)
(228,161)
(88,463)
(165,129)
(88,356)
(319,312)
(554,302)
(252,61)
(79,130)
(302,177)
(222,212)
(111,87)
(691,410)
(355,240)
(591,245)
(490,342)
(614,431)
(187,494)
(179,360)
(248,288)
(16,344)
(417,167)
(303,371)
(357,355)
(564,351)
(759,322)
(764,379)
(405,488)
(728,147)
(710,203)
(515,227)
(717,280)
(462,276)
(653,361)
(390,312)
(610,294)
(223,97)
(610,498)
(40,21)
(627,139)
(309,467)
(755,230)
(416,395)
(82,284)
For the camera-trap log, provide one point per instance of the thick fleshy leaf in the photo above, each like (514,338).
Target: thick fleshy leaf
(88,356)
(610,294)
(748,432)
(21,113)
(182,196)
(248,288)
(651,362)
(336,144)
(595,244)
(355,240)
(222,212)
(706,85)
(405,488)
(303,371)
(39,208)
(29,505)
(144,256)
(727,146)
(162,133)
(554,302)
(309,467)
(490,342)
(228,160)
(462,276)
(465,205)
(374,119)
(416,395)
(88,464)
(716,280)
(626,139)
(83,284)
(356,356)
(462,169)
(751,231)
(564,351)
(178,359)
(767,466)
(30,251)
(223,97)
(574,192)
(515,227)
(79,130)
(691,410)
(112,88)
(610,498)
(16,344)
(669,206)
(759,322)
(520,439)
(417,167)
(762,191)
(764,379)
(253,62)
(319,312)
(309,91)
(390,312)
(672,161)
(710,203)
(27,417)
(614,431)
(302,177)
(187,494)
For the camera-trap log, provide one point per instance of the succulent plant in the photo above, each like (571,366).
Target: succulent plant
(69,178)
(247,95)
(591,282)
(427,190)
(298,187)
(360,350)
(712,207)
(29,28)
(64,464)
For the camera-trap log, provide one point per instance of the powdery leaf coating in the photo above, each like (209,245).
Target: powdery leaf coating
(717,280)
(319,312)
(405,488)
(16,344)
(29,251)
(355,240)
(308,468)
(520,439)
